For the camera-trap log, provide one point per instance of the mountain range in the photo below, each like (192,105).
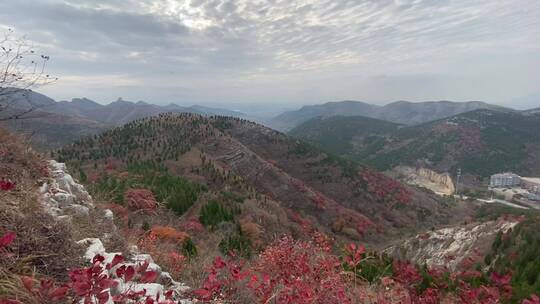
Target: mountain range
(480,142)
(402,112)
(53,124)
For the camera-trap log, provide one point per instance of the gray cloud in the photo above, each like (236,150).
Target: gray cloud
(309,51)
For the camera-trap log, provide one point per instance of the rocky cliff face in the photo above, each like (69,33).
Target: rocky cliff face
(439,183)
(455,247)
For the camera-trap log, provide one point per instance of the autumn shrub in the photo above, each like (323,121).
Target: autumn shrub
(290,271)
(192,225)
(140,199)
(287,271)
(383,188)
(6,185)
(98,283)
(169,233)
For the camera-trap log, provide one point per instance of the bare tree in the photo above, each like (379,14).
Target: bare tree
(21,70)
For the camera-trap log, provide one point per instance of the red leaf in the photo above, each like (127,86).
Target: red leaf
(116,260)
(500,279)
(130,273)
(59,293)
(7,239)
(120,271)
(203,293)
(143,266)
(149,301)
(98,258)
(28,283)
(81,288)
(149,277)
(219,263)
(103,297)
(46,285)
(107,283)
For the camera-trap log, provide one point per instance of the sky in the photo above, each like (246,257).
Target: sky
(285,52)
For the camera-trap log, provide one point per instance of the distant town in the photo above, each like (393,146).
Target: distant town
(512,187)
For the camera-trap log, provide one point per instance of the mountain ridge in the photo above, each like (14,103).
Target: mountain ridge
(481,142)
(403,112)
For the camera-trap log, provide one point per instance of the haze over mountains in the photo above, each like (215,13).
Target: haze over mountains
(57,123)
(402,112)
(54,124)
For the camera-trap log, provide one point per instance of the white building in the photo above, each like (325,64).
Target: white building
(504,180)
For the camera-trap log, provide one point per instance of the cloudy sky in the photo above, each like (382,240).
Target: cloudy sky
(218,52)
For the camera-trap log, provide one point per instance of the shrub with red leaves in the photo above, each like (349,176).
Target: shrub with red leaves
(140,199)
(287,271)
(534,299)
(6,185)
(192,225)
(97,283)
(7,239)
(384,188)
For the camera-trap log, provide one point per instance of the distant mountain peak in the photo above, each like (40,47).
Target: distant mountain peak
(402,112)
(121,101)
(84,100)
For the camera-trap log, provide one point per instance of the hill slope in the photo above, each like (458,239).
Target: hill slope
(341,134)
(481,142)
(142,245)
(401,112)
(318,190)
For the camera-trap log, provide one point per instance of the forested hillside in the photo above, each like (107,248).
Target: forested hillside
(480,142)
(250,160)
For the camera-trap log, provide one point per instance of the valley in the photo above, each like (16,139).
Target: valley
(199,187)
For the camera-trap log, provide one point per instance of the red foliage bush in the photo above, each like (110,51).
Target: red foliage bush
(534,299)
(384,188)
(169,233)
(192,225)
(6,185)
(288,271)
(96,284)
(7,239)
(140,199)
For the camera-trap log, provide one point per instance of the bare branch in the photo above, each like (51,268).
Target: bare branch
(21,70)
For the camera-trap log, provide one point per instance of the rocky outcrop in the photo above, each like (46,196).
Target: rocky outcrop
(64,198)
(441,184)
(451,247)
(61,195)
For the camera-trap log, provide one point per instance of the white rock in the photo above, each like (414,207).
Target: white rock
(78,210)
(95,247)
(109,214)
